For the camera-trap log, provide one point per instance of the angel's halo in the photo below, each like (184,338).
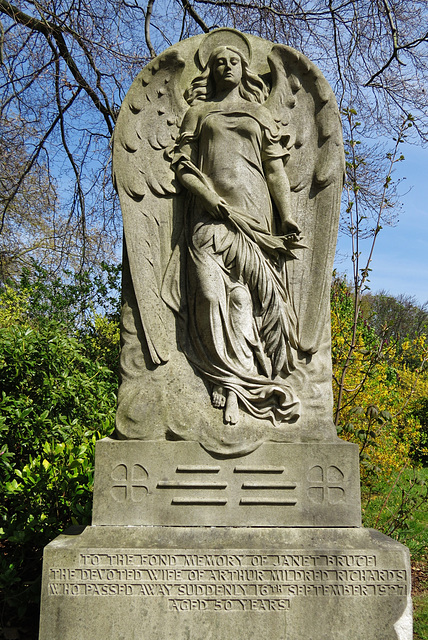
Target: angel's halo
(225,37)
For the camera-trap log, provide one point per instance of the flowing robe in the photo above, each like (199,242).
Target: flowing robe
(240,325)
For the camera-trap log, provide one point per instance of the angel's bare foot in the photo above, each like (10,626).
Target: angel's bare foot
(218,398)
(231,411)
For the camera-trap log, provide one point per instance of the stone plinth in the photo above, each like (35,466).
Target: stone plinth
(222,583)
(179,483)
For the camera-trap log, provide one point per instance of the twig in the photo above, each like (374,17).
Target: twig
(359,280)
(395,46)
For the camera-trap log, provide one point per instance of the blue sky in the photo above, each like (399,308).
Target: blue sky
(400,263)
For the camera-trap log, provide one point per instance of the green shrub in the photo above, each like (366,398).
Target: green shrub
(59,385)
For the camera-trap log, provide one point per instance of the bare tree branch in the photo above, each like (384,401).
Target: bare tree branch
(147,28)
(53,48)
(1,42)
(48,29)
(195,15)
(395,45)
(79,188)
(26,170)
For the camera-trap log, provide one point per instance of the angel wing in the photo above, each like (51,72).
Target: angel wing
(303,103)
(145,132)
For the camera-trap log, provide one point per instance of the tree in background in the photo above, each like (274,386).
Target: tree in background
(397,317)
(66,66)
(29,227)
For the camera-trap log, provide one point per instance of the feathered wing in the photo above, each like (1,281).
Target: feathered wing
(146,129)
(303,103)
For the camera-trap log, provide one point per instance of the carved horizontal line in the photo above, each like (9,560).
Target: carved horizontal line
(174,484)
(196,468)
(269,485)
(201,501)
(259,469)
(267,501)
(234,598)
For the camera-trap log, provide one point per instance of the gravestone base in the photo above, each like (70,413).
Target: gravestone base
(225,583)
(143,482)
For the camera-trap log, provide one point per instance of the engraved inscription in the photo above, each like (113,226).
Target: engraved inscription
(129,485)
(226,581)
(326,485)
(278,604)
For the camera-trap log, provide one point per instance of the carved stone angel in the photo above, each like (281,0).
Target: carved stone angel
(226,150)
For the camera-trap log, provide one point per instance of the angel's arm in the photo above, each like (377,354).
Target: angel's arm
(189,175)
(279,188)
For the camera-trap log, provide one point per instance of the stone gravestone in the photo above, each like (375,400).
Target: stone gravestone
(226,507)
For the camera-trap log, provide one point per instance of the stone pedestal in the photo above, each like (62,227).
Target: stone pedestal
(224,583)
(185,545)
(179,483)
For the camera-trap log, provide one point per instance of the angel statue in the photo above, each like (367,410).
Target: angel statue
(228,160)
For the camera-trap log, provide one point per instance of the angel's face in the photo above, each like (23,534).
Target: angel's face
(227,70)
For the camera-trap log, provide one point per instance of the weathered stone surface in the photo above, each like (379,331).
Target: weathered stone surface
(176,583)
(228,160)
(227,509)
(179,483)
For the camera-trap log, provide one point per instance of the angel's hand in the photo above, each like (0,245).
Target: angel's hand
(290,226)
(215,205)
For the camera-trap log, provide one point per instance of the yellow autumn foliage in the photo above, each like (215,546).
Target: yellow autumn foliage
(382,383)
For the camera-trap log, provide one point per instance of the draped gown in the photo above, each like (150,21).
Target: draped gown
(234,300)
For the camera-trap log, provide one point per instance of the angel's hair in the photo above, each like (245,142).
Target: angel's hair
(251,88)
